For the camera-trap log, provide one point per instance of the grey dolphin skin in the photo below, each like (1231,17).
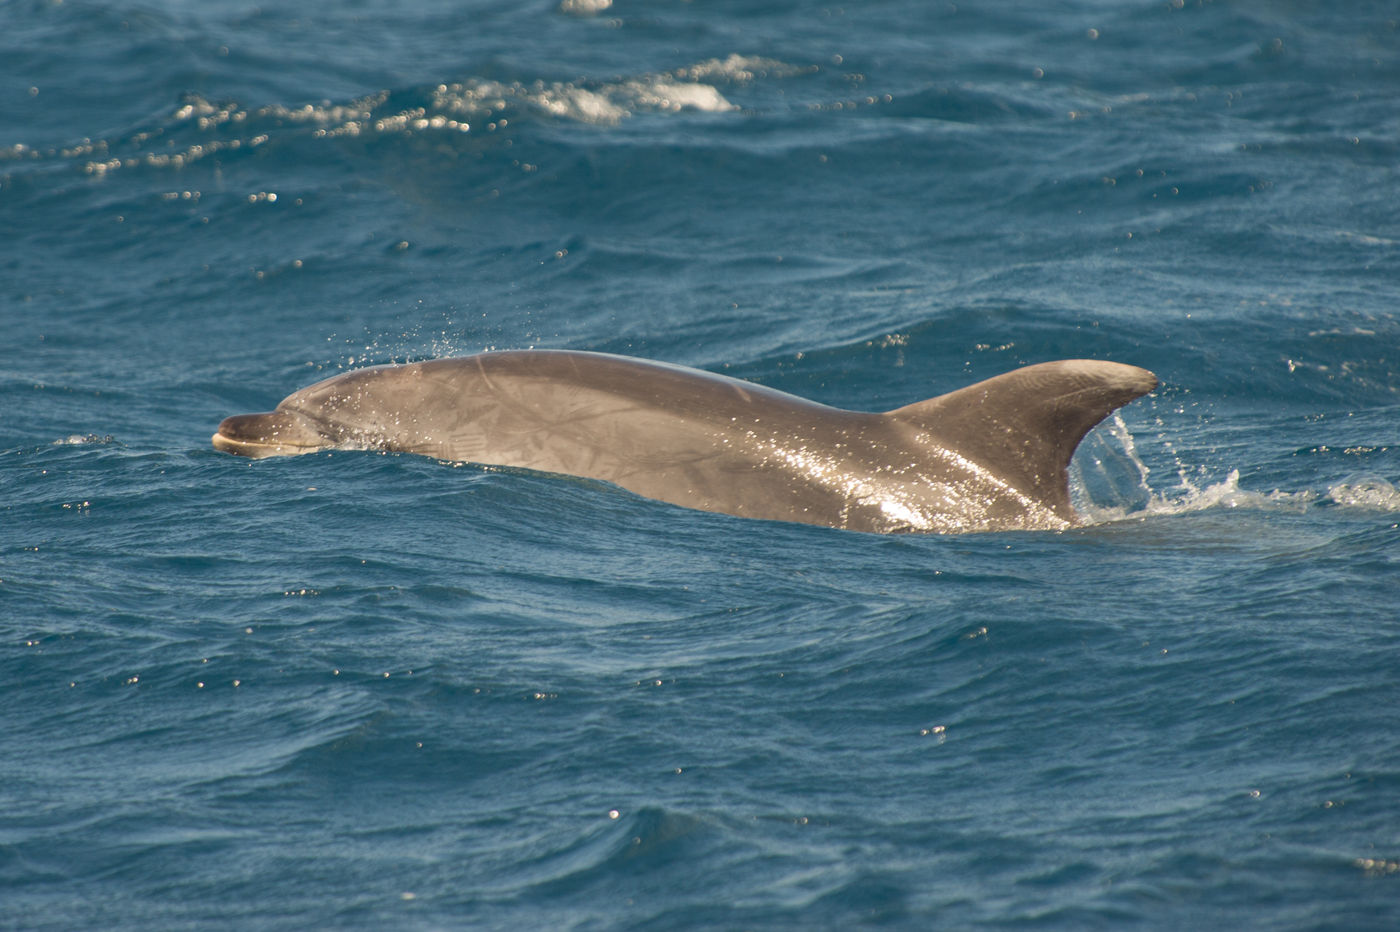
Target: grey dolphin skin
(989,457)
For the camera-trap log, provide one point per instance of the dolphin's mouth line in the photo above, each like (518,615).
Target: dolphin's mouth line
(280,432)
(258,449)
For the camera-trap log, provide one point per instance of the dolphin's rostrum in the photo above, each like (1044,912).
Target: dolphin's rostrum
(992,456)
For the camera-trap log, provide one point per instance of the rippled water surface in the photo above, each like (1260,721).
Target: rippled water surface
(357,690)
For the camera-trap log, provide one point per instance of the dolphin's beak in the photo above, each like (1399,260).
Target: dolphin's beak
(274,433)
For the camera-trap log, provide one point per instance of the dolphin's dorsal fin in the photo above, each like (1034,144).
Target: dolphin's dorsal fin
(1025,425)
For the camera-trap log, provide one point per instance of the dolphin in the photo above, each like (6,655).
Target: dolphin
(989,457)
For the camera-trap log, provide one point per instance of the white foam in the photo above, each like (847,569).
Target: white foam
(604,104)
(659,94)
(584,7)
(740,69)
(77,440)
(465,107)
(472,106)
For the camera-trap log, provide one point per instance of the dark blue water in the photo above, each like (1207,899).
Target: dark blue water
(351,690)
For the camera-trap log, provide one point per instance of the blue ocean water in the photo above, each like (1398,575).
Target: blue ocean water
(364,691)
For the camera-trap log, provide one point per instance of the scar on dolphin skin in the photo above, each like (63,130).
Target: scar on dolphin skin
(992,456)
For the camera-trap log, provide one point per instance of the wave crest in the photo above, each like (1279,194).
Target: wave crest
(199,127)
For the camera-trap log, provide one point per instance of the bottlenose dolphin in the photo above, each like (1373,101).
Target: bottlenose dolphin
(992,456)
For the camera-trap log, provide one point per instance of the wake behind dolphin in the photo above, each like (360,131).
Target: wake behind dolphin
(993,456)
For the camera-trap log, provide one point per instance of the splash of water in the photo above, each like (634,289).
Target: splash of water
(1369,492)
(1110,481)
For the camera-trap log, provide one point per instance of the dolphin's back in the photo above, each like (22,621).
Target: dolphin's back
(679,435)
(987,457)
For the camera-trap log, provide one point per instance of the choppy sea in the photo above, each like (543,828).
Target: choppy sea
(366,691)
